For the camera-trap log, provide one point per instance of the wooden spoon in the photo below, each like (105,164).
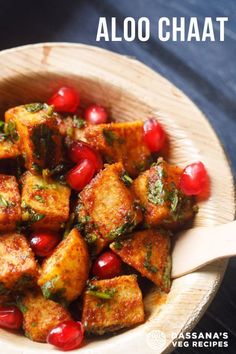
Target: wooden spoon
(199,246)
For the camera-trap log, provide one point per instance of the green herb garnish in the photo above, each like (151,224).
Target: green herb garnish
(30,215)
(39,198)
(39,187)
(109,136)
(36,107)
(9,132)
(117,245)
(49,287)
(104,295)
(20,305)
(36,167)
(4,203)
(166,273)
(123,229)
(78,122)
(156,192)
(147,264)
(126,179)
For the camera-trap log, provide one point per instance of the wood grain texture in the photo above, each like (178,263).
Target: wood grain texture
(130,91)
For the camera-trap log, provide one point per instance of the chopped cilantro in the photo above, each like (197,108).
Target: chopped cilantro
(36,167)
(147,264)
(126,179)
(109,136)
(39,198)
(39,187)
(30,215)
(10,132)
(36,107)
(123,229)
(49,287)
(106,294)
(20,305)
(4,203)
(166,273)
(78,122)
(117,245)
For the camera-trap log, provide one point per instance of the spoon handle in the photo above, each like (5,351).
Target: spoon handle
(199,246)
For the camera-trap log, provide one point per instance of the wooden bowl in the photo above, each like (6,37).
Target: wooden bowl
(130,91)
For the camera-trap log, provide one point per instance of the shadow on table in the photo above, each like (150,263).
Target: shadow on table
(27,21)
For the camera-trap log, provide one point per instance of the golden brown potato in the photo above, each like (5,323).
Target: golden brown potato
(71,126)
(39,138)
(18,268)
(120,142)
(148,252)
(10,210)
(64,274)
(9,149)
(40,315)
(161,198)
(109,205)
(45,204)
(111,304)
(89,231)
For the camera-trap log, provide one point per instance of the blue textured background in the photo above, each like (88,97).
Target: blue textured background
(206,72)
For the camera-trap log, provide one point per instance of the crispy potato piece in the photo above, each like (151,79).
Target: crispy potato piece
(71,126)
(109,204)
(39,138)
(10,210)
(120,142)
(161,198)
(45,204)
(9,149)
(89,231)
(40,315)
(112,304)
(65,272)
(148,252)
(18,268)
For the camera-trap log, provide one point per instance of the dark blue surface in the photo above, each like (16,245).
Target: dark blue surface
(206,72)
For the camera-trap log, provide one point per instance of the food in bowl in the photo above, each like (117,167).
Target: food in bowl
(87,208)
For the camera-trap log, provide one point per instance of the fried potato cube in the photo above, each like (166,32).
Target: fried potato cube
(10,210)
(110,204)
(40,315)
(89,231)
(45,204)
(9,149)
(120,142)
(148,252)
(112,304)
(18,268)
(39,138)
(64,274)
(161,198)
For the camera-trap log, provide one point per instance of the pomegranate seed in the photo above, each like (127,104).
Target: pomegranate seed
(66,99)
(96,114)
(154,135)
(10,317)
(68,335)
(79,151)
(80,175)
(194,179)
(108,265)
(43,243)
